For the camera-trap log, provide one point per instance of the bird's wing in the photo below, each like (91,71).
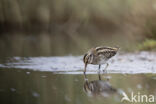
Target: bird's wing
(106,53)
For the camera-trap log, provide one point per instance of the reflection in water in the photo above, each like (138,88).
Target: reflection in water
(98,87)
(19,86)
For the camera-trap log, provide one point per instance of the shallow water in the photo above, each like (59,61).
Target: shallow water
(36,87)
(59,80)
(131,63)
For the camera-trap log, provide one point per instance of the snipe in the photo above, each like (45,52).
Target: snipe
(99,55)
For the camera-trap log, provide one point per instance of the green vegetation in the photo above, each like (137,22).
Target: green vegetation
(62,27)
(148,44)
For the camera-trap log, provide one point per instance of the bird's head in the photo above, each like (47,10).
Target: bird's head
(88,58)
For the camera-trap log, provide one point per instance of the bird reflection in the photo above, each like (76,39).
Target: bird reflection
(98,87)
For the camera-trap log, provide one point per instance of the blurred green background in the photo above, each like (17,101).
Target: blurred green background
(62,27)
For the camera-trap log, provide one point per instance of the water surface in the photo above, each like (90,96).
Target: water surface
(131,63)
(60,80)
(35,87)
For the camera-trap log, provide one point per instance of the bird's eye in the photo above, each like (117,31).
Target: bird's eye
(91,56)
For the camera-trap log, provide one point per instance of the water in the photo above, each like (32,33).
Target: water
(60,80)
(130,63)
(17,86)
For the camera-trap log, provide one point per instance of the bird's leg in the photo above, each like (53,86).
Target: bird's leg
(106,68)
(99,67)
(99,72)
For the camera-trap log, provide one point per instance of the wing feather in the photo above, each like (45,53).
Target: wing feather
(107,54)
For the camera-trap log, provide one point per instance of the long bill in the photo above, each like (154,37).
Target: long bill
(85,68)
(85,77)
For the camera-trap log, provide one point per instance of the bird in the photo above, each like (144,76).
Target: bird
(99,55)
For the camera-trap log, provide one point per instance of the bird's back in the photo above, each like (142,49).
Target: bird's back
(106,52)
(102,54)
(99,55)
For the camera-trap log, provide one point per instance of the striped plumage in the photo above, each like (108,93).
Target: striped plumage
(99,55)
